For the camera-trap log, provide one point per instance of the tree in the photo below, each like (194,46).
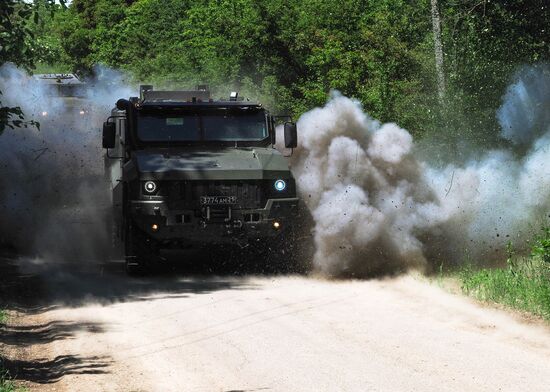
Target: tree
(15,47)
(486,43)
(436,22)
(291,53)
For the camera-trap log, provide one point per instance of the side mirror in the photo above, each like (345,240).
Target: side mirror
(122,104)
(109,135)
(291,135)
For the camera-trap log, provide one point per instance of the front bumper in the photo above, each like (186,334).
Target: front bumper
(167,223)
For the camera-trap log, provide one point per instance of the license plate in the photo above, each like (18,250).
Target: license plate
(218,200)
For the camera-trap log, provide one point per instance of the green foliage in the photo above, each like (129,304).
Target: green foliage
(523,285)
(298,50)
(541,246)
(291,54)
(13,117)
(20,45)
(486,42)
(7,384)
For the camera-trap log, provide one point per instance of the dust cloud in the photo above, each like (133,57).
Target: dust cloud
(378,208)
(54,196)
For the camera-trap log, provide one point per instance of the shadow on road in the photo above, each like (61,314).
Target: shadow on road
(28,335)
(34,285)
(44,371)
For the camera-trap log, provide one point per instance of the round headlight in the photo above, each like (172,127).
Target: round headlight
(280,185)
(150,187)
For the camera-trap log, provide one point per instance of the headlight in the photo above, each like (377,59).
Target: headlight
(150,187)
(280,185)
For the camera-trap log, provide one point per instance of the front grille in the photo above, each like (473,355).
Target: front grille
(250,194)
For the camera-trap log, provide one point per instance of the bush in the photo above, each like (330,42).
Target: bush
(523,285)
(541,247)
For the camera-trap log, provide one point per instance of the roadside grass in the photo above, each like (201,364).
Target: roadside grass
(6,382)
(524,284)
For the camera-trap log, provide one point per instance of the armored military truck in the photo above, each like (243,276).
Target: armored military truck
(187,170)
(63,91)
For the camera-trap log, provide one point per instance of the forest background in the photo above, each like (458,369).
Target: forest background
(290,54)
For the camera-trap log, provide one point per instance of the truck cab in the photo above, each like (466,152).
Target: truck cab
(186,170)
(63,91)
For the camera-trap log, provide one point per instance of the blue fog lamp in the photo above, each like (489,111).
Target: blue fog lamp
(280,185)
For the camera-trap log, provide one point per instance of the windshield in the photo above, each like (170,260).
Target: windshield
(66,90)
(177,127)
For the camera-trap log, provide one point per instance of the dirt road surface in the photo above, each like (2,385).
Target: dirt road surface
(97,330)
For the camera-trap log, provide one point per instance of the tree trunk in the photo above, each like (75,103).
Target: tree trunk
(436,24)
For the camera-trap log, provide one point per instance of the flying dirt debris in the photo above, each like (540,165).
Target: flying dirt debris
(377,206)
(186,170)
(54,174)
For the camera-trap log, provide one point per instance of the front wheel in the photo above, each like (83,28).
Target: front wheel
(279,254)
(140,251)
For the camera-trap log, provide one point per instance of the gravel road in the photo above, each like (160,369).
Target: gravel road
(101,331)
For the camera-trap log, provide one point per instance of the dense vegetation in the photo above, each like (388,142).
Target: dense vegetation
(18,45)
(290,54)
(523,285)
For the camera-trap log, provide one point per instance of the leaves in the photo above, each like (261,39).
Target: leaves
(290,54)
(16,44)
(541,246)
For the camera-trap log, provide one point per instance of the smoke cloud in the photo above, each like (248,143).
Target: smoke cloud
(54,196)
(379,209)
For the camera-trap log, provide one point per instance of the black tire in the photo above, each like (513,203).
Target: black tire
(275,255)
(284,253)
(140,251)
(292,251)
